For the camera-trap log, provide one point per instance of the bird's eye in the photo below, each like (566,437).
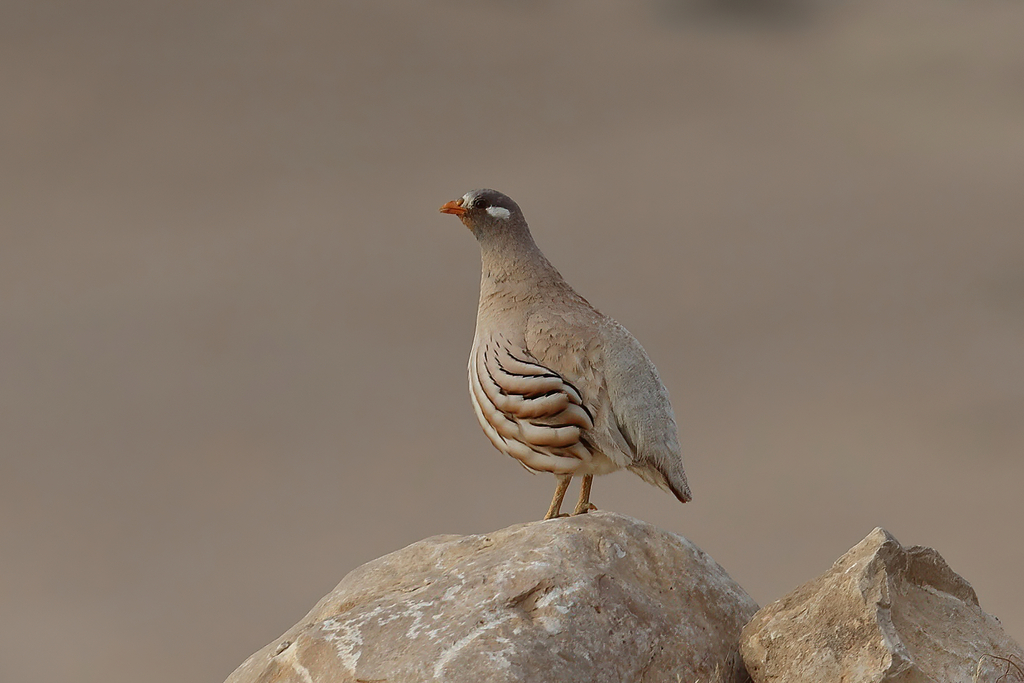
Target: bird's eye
(480,203)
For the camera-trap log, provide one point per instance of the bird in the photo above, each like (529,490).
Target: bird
(555,383)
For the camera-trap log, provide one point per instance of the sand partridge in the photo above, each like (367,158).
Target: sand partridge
(555,383)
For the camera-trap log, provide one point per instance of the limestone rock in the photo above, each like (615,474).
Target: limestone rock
(598,597)
(881,613)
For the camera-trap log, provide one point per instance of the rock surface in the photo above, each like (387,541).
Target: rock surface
(881,613)
(599,597)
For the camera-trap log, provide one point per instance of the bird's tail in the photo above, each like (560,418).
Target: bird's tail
(673,481)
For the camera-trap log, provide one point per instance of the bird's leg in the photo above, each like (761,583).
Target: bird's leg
(584,504)
(556,502)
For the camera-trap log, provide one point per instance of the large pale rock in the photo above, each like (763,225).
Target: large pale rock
(599,597)
(881,613)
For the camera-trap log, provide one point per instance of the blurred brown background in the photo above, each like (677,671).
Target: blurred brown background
(234,327)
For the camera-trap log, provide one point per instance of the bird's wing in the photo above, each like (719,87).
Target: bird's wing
(526,409)
(643,413)
(635,424)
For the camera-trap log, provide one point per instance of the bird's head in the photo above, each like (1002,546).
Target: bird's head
(486,212)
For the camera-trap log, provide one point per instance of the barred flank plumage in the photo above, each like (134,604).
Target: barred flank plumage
(526,410)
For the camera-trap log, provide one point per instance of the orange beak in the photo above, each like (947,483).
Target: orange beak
(454,207)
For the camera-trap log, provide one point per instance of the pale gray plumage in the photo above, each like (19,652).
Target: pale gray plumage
(555,383)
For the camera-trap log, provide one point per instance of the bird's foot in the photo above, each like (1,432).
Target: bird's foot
(582,511)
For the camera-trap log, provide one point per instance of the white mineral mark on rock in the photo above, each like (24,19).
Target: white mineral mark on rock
(415,610)
(348,641)
(449,654)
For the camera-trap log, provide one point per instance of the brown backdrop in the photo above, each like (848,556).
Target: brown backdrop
(233,326)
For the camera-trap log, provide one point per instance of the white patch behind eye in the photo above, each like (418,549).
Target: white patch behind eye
(499,212)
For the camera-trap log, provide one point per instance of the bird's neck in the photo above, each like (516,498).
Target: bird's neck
(513,264)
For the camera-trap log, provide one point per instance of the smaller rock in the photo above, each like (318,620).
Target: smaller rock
(881,613)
